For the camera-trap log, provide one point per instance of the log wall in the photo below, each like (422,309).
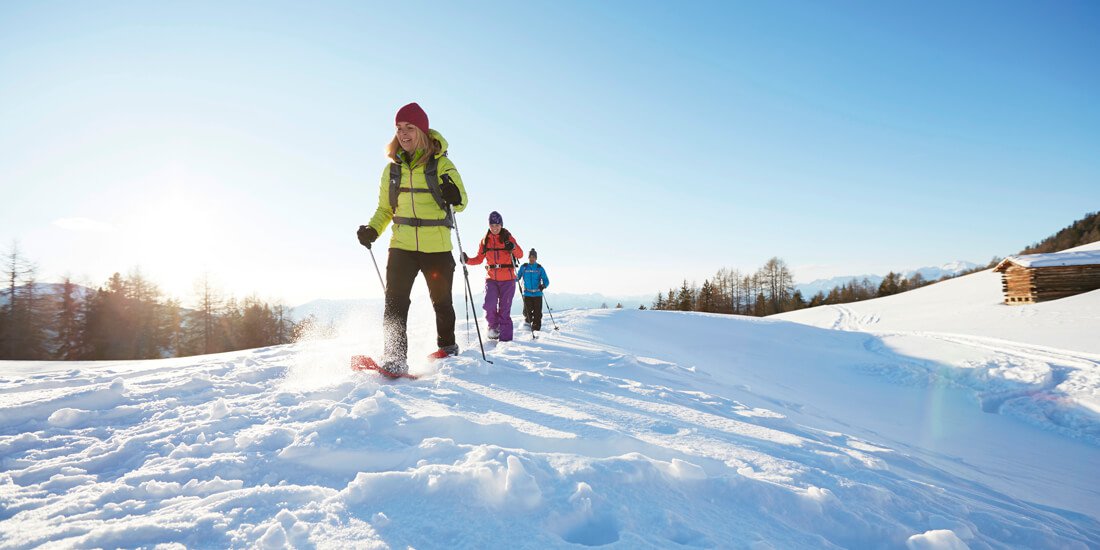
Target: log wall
(1028,285)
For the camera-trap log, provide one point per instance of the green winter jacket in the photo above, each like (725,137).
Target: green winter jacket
(417,205)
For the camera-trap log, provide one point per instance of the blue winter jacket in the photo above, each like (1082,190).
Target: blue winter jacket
(532,276)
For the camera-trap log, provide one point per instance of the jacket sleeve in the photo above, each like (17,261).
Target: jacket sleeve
(383,213)
(544,279)
(447,167)
(480,255)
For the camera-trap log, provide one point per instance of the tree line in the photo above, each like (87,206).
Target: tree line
(770,290)
(1083,231)
(128,317)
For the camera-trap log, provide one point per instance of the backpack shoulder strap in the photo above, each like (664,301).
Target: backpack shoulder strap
(395,184)
(485,242)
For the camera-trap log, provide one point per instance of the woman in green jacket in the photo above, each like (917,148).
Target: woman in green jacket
(419,189)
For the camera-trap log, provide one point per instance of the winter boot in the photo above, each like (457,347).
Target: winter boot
(494,334)
(445,351)
(395,367)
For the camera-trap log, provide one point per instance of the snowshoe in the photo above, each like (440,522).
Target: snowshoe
(390,369)
(494,334)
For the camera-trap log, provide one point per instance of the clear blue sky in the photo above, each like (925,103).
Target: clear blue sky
(634,144)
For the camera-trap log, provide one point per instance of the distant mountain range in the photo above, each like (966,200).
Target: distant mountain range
(929,273)
(51,290)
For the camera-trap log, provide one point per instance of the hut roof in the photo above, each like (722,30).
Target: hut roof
(1088,257)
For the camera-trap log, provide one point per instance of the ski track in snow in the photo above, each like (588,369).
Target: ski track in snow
(1047,387)
(565,441)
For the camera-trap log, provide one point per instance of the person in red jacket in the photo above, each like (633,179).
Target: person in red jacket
(498,249)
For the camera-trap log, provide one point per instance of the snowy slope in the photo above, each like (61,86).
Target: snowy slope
(972,305)
(626,429)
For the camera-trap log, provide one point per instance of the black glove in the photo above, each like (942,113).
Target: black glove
(465,258)
(366,235)
(450,192)
(542,286)
(509,246)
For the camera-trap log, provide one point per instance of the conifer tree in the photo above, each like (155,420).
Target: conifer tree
(817,299)
(889,285)
(795,302)
(707,300)
(230,326)
(685,300)
(203,321)
(25,310)
(14,330)
(68,321)
(283,324)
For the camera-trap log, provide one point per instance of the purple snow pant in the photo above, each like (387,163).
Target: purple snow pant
(498,306)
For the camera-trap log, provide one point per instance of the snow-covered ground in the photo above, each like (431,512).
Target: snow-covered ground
(625,429)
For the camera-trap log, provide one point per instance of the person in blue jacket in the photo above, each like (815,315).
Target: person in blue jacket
(534,281)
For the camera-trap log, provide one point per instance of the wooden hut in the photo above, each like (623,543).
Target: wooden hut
(1041,277)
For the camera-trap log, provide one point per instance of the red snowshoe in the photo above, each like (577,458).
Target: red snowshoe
(364,362)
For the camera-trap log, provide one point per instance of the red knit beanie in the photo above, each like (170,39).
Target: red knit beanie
(413,114)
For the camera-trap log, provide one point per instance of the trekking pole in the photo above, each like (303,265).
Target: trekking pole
(466,275)
(466,304)
(376,270)
(519,283)
(551,311)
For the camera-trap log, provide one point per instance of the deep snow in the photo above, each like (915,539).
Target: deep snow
(626,429)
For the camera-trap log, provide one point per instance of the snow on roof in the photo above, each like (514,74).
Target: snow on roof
(1085,257)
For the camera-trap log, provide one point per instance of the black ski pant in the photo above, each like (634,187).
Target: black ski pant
(532,311)
(401,270)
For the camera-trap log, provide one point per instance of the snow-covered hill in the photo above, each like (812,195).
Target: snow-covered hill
(972,305)
(626,429)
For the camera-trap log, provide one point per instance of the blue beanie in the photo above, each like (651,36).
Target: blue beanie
(494,217)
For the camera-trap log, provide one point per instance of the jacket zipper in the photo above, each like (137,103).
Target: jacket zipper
(412,201)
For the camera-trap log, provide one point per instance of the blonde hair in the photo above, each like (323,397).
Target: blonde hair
(430,146)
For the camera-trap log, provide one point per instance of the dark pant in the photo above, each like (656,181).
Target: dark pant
(439,270)
(532,311)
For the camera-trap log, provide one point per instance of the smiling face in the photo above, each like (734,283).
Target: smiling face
(495,228)
(408,136)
